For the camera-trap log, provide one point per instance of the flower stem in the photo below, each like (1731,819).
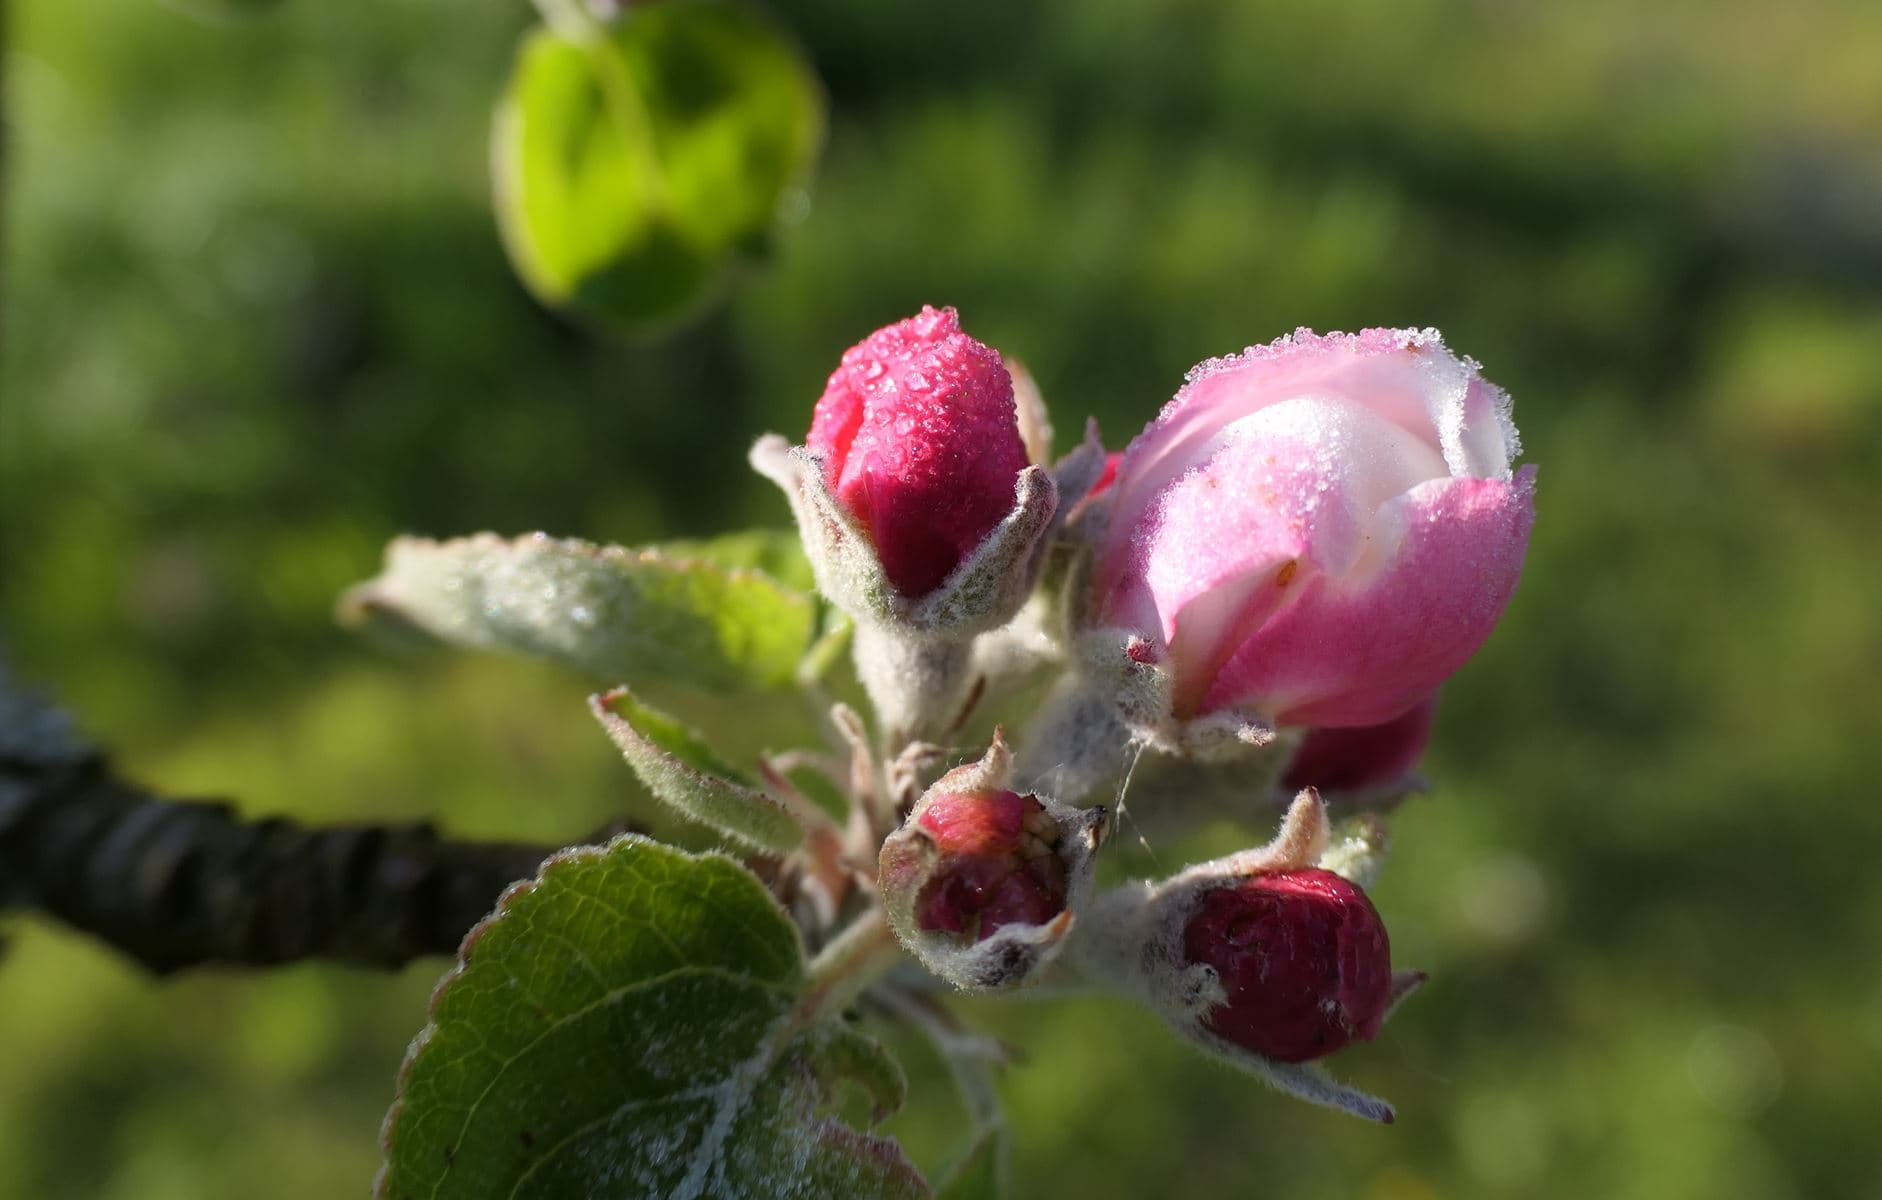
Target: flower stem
(846,967)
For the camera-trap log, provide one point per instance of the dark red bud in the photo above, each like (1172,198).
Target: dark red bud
(1303,957)
(997,864)
(1339,760)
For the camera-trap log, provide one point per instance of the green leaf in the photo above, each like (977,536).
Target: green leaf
(635,169)
(630,1025)
(855,1058)
(825,793)
(678,767)
(979,1174)
(779,553)
(828,650)
(223,12)
(615,613)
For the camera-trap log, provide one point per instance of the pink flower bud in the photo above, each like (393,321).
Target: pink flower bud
(1302,958)
(920,441)
(997,864)
(1319,530)
(1347,760)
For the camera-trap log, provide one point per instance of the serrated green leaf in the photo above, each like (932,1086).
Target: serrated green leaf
(629,1026)
(679,767)
(636,169)
(617,614)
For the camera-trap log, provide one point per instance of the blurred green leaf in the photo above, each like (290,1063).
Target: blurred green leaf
(820,790)
(635,169)
(615,613)
(779,553)
(861,1062)
(679,767)
(978,1175)
(222,11)
(629,1025)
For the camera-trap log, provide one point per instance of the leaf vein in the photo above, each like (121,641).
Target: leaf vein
(613,996)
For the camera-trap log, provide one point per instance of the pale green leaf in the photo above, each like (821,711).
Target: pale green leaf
(636,169)
(617,614)
(679,767)
(779,553)
(629,1027)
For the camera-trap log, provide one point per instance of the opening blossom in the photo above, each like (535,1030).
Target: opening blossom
(920,441)
(1319,530)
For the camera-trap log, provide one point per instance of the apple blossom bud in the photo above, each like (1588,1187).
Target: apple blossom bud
(1302,959)
(1264,958)
(919,511)
(981,882)
(1318,531)
(996,864)
(1366,756)
(921,443)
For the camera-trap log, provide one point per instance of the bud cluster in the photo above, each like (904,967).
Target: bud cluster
(1265,590)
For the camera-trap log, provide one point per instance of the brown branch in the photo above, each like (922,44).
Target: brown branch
(176,884)
(180,883)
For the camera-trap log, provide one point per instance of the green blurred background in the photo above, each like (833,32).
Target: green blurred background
(257,320)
